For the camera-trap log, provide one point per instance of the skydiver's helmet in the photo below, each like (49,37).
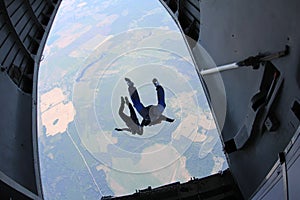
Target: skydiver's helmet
(146,122)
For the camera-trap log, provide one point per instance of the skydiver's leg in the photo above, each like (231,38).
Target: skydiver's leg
(121,109)
(123,116)
(133,115)
(134,95)
(132,112)
(160,96)
(137,102)
(160,93)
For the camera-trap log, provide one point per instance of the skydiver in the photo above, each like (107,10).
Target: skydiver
(131,121)
(151,114)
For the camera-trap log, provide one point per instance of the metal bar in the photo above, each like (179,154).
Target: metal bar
(219,69)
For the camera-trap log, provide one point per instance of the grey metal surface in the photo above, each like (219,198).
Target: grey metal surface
(24,26)
(232,30)
(282,182)
(293,178)
(16,140)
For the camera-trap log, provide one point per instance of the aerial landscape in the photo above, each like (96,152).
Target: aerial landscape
(92,47)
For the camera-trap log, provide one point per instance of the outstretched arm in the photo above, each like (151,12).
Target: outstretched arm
(123,129)
(160,119)
(167,119)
